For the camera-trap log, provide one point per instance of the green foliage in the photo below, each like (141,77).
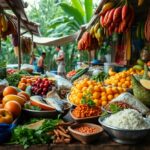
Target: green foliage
(26,137)
(71,11)
(88,9)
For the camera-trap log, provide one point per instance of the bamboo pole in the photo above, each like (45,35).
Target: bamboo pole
(19,47)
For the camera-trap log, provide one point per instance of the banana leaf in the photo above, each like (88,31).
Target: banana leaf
(88,9)
(77,4)
(71,11)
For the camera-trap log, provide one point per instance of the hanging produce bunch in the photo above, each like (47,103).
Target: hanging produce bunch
(26,45)
(97,32)
(116,17)
(7,27)
(140,31)
(87,42)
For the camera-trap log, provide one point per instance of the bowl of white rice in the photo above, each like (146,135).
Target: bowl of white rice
(126,127)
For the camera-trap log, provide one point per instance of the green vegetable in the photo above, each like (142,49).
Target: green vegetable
(100,77)
(26,137)
(114,108)
(28,106)
(13,79)
(79,74)
(87,99)
(23,72)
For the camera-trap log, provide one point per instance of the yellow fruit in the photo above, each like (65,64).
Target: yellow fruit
(116,95)
(104,103)
(109,91)
(96,95)
(12,97)
(110,97)
(104,98)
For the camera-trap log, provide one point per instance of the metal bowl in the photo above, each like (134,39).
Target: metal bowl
(124,136)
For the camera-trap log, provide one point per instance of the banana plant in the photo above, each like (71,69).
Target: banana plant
(77,13)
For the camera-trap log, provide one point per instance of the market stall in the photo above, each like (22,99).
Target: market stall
(94,107)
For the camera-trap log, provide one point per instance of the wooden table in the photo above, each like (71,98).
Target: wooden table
(103,143)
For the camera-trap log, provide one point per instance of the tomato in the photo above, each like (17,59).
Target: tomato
(5,116)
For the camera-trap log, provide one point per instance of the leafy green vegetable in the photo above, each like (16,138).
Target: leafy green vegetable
(26,137)
(87,99)
(114,108)
(100,77)
(14,79)
(28,106)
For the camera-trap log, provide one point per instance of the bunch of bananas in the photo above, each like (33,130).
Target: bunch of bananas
(97,32)
(3,23)
(7,27)
(140,31)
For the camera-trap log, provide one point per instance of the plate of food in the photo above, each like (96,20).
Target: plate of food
(45,107)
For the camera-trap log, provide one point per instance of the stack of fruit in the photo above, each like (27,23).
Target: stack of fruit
(27,81)
(116,18)
(99,94)
(12,103)
(97,32)
(87,42)
(122,79)
(41,86)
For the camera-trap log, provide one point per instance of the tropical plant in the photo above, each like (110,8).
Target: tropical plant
(77,13)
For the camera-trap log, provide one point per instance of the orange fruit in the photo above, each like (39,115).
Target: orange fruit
(114,90)
(79,95)
(13,107)
(97,88)
(96,95)
(109,91)
(103,93)
(104,98)
(23,80)
(104,103)
(96,101)
(9,90)
(110,97)
(116,95)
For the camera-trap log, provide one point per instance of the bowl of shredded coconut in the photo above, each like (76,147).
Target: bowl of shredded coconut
(127,126)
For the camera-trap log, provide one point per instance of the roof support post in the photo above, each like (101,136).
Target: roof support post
(19,49)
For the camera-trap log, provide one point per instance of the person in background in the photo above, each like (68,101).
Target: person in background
(40,64)
(33,61)
(60,60)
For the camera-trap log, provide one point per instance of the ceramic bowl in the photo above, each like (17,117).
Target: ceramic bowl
(84,137)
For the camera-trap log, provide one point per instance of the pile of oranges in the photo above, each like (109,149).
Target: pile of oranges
(26,81)
(100,94)
(122,79)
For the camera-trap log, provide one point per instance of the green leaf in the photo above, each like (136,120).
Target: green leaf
(71,11)
(88,9)
(77,4)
